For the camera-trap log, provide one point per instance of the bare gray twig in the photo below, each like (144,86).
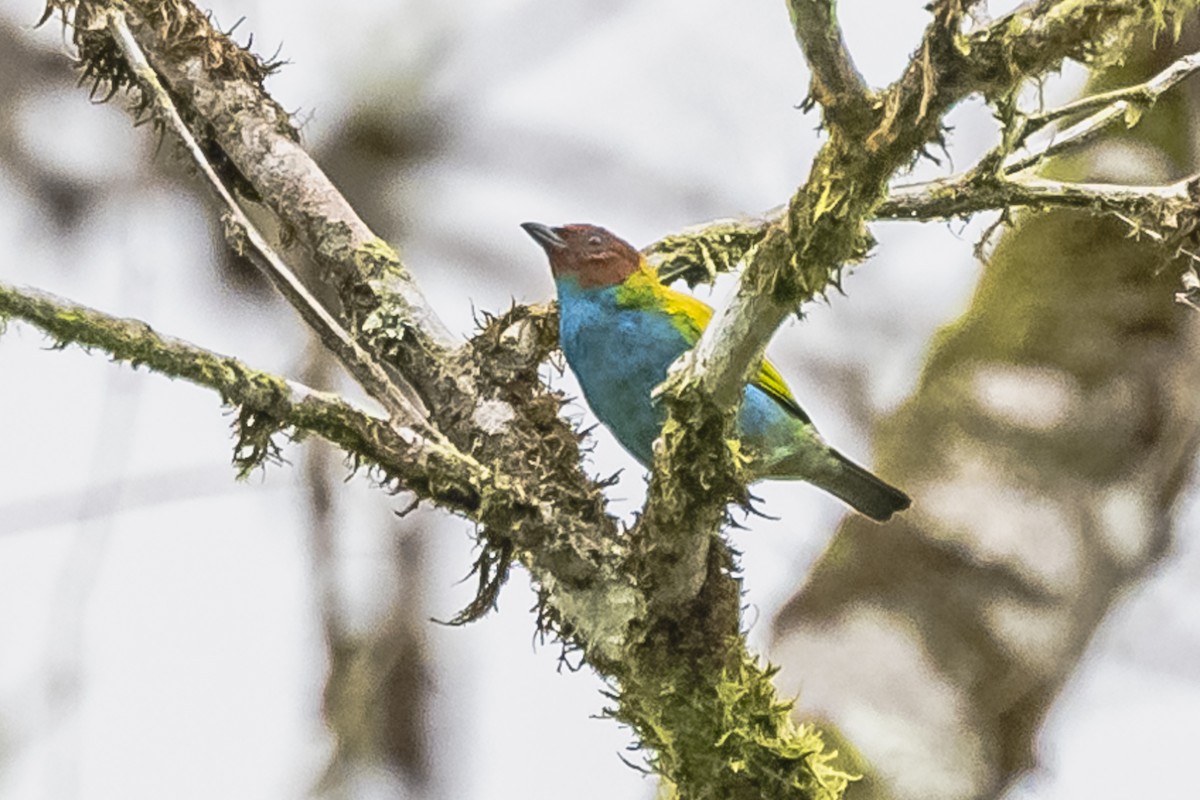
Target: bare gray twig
(1126,104)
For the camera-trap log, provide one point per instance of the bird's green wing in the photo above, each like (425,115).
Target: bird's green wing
(691,316)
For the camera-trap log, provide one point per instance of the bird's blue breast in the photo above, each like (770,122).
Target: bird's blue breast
(620,354)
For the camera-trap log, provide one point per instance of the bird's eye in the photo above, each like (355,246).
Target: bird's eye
(594,241)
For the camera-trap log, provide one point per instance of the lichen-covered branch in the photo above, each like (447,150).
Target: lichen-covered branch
(803,251)
(218,88)
(699,254)
(837,86)
(824,227)
(485,396)
(1037,37)
(1163,210)
(597,602)
(267,404)
(241,233)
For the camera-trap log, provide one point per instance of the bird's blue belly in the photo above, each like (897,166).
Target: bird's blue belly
(620,356)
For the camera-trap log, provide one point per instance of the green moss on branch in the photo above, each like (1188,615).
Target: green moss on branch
(267,405)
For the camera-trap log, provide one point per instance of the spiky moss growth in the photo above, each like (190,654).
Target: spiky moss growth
(704,710)
(267,406)
(1098,35)
(825,234)
(261,399)
(184,33)
(377,295)
(578,565)
(701,255)
(179,23)
(693,483)
(503,362)
(724,735)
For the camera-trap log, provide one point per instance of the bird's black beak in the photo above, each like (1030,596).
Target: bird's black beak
(544,235)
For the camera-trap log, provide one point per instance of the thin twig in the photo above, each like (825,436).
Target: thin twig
(1113,106)
(239,231)
(959,196)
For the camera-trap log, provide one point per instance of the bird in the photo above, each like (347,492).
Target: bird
(620,329)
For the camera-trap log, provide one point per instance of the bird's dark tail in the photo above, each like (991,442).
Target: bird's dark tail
(866,493)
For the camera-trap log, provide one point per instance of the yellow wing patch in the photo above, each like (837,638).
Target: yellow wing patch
(770,381)
(690,316)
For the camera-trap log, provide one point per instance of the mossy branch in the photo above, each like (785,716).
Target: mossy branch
(837,86)
(998,182)
(484,396)
(248,241)
(824,228)
(268,405)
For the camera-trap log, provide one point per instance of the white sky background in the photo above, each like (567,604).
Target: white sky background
(186,629)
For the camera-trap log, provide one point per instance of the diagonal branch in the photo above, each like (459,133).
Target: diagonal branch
(240,231)
(699,254)
(218,88)
(837,85)
(1038,36)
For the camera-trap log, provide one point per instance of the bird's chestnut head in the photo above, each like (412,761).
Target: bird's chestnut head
(590,253)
